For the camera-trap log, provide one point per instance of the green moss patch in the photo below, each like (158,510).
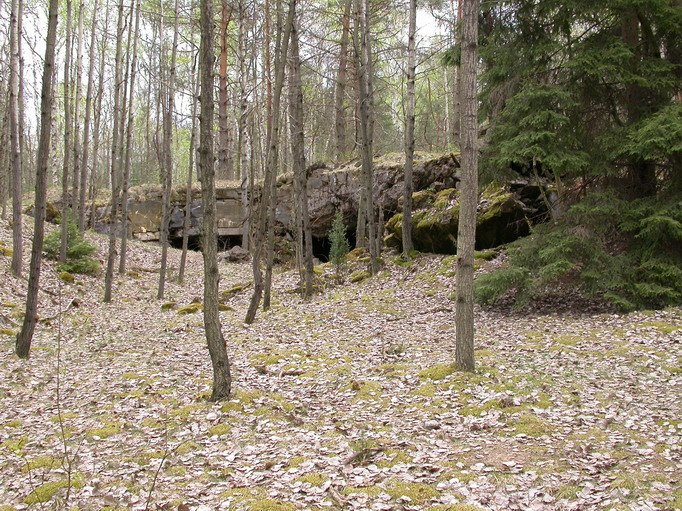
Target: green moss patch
(662,326)
(67,277)
(191,308)
(219,430)
(314,478)
(418,493)
(437,372)
(370,491)
(41,462)
(359,276)
(235,290)
(531,425)
(365,390)
(168,306)
(45,492)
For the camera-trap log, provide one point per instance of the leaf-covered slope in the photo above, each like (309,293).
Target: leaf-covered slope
(347,401)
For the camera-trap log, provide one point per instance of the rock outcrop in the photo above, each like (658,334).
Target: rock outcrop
(330,189)
(504,214)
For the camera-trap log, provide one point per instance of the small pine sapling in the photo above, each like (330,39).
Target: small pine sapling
(339,244)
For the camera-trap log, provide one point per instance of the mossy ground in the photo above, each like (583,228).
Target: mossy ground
(364,368)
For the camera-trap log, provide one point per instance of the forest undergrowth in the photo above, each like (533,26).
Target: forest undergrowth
(349,401)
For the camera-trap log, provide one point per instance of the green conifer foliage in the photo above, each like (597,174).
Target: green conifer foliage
(78,252)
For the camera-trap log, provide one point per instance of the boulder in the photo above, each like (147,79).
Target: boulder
(333,188)
(501,217)
(235,255)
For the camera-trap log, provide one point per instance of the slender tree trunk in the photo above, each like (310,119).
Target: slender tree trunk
(160,93)
(243,117)
(278,142)
(115,156)
(67,137)
(15,143)
(77,155)
(457,128)
(25,336)
(222,380)
(409,130)
(98,120)
(4,161)
(224,160)
(363,48)
(341,79)
(168,159)
(25,155)
(466,232)
(88,117)
(282,49)
(129,147)
(637,103)
(298,157)
(188,190)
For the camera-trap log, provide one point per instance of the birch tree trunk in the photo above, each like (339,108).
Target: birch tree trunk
(98,120)
(67,137)
(188,190)
(15,145)
(222,380)
(276,143)
(115,153)
(340,92)
(466,232)
(363,48)
(77,155)
(4,159)
(241,140)
(457,128)
(25,336)
(409,130)
(224,160)
(282,49)
(88,119)
(296,120)
(128,147)
(168,158)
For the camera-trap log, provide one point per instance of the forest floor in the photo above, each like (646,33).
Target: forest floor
(348,401)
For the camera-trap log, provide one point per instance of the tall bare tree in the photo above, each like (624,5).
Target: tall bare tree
(222,380)
(25,336)
(362,41)
(77,154)
(341,81)
(264,225)
(457,128)
(244,171)
(98,119)
(409,129)
(125,184)
(296,122)
(190,170)
(15,144)
(466,232)
(83,185)
(115,155)
(224,158)
(68,149)
(169,109)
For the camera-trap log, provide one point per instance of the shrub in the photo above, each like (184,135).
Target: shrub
(78,251)
(625,252)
